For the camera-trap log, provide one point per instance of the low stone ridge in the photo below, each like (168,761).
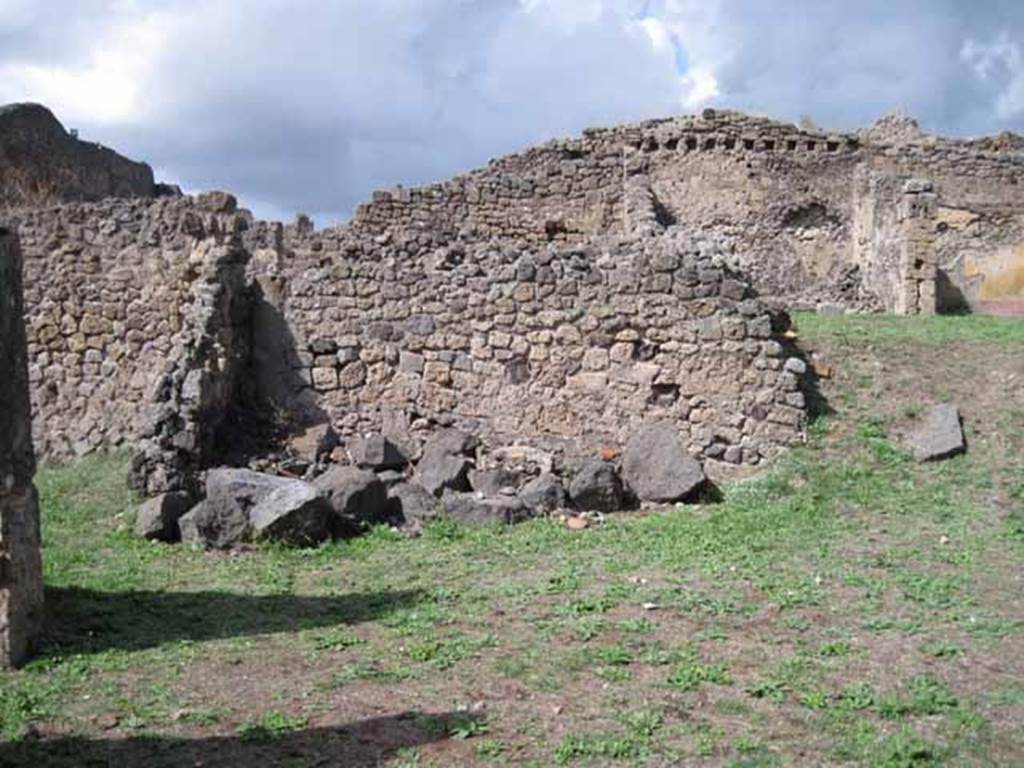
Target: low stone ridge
(657,468)
(43,164)
(940,436)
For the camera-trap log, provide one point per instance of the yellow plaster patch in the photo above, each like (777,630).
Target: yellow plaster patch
(1004,279)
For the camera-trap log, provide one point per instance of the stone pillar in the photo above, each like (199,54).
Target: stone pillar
(21,577)
(918,268)
(205,378)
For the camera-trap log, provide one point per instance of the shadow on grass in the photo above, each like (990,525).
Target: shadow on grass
(85,620)
(357,745)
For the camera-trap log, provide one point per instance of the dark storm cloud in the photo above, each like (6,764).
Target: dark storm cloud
(311,105)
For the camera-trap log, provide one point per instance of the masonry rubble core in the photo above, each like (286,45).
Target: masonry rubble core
(21,579)
(558,297)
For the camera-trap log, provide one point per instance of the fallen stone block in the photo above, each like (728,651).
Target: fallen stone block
(223,520)
(494,482)
(157,518)
(941,436)
(598,487)
(474,509)
(411,503)
(544,494)
(657,467)
(376,452)
(357,497)
(296,513)
(446,461)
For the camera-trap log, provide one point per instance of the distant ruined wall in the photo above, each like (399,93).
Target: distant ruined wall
(807,213)
(21,579)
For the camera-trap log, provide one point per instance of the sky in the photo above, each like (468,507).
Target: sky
(306,105)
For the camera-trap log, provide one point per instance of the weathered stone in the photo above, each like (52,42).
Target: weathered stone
(188,524)
(474,508)
(376,452)
(446,461)
(941,436)
(21,578)
(358,498)
(157,518)
(544,494)
(296,513)
(315,442)
(597,486)
(656,466)
(411,503)
(223,521)
(492,482)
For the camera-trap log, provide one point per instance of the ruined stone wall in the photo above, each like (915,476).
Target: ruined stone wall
(810,215)
(555,344)
(803,216)
(21,579)
(563,190)
(106,289)
(202,385)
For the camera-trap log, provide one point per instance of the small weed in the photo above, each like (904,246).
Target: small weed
(637,626)
(490,748)
(464,726)
(924,696)
(942,649)
(906,749)
(271,725)
(687,677)
(856,697)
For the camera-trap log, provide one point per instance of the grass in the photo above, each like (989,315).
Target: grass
(846,604)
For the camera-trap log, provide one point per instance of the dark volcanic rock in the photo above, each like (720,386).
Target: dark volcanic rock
(157,518)
(656,466)
(492,482)
(296,514)
(411,503)
(597,486)
(376,452)
(476,509)
(223,520)
(544,494)
(446,461)
(941,436)
(357,497)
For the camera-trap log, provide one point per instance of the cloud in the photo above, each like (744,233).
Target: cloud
(305,105)
(999,64)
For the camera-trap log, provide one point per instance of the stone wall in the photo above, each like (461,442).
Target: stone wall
(791,201)
(108,286)
(21,579)
(559,344)
(522,297)
(188,416)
